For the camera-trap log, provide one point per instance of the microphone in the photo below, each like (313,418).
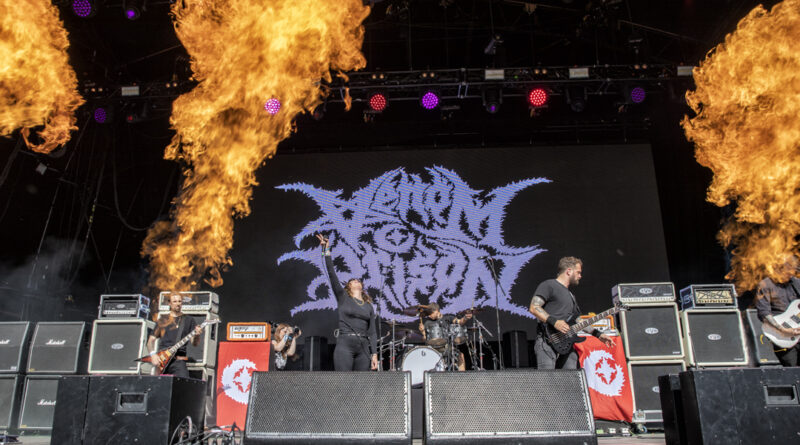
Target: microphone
(485,257)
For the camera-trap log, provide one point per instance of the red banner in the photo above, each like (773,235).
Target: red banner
(236,363)
(607,376)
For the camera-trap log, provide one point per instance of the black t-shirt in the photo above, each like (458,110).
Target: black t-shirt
(167,331)
(443,322)
(558,300)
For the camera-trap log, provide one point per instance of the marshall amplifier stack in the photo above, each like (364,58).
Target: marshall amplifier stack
(32,359)
(653,342)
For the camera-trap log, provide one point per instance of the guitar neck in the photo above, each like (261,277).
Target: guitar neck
(577,327)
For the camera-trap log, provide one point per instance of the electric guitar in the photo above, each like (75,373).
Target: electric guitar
(562,342)
(167,355)
(790,319)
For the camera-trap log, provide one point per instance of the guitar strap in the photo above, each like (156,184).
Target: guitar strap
(793,281)
(179,333)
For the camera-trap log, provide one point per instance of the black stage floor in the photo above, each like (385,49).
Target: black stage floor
(641,439)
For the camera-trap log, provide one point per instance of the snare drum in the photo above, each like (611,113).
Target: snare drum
(435,334)
(459,333)
(421,359)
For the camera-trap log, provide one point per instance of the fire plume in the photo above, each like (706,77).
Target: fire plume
(243,54)
(747,131)
(37,85)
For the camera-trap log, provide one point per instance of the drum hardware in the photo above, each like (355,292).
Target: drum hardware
(421,359)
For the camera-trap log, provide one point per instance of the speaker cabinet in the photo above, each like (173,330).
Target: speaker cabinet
(207,375)
(69,416)
(10,392)
(117,343)
(669,386)
(652,332)
(14,336)
(511,406)
(141,409)
(515,349)
(715,337)
(38,403)
(762,350)
(56,348)
(644,386)
(741,406)
(295,407)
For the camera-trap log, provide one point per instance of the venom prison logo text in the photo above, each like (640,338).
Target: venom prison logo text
(423,237)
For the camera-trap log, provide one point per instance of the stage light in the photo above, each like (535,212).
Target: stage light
(133,8)
(378,102)
(492,98)
(429,100)
(100,115)
(576,98)
(83,8)
(637,95)
(272,106)
(538,97)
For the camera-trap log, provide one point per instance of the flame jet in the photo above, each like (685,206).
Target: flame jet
(243,53)
(38,87)
(747,131)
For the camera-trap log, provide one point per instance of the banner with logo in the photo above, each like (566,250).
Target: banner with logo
(236,363)
(607,376)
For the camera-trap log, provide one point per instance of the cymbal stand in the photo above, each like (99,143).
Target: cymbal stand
(482,341)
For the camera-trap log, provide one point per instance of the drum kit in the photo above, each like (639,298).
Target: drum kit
(439,349)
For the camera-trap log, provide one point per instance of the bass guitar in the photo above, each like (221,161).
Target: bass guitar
(789,319)
(562,341)
(166,356)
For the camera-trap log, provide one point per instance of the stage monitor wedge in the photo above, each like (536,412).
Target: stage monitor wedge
(520,406)
(308,408)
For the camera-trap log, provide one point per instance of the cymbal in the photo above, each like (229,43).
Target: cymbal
(413,311)
(395,323)
(472,311)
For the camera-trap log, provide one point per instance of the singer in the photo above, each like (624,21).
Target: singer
(356,342)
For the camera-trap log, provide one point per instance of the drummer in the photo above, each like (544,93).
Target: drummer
(437,325)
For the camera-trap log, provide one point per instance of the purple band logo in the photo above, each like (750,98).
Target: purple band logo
(426,236)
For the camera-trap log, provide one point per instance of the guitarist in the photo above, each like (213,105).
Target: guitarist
(773,297)
(170,329)
(554,305)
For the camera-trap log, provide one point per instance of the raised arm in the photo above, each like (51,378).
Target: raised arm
(336,286)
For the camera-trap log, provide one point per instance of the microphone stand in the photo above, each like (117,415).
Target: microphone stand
(378,316)
(497,288)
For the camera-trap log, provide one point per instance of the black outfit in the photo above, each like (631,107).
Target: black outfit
(773,299)
(357,339)
(170,332)
(560,304)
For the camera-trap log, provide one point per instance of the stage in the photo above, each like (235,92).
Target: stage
(643,439)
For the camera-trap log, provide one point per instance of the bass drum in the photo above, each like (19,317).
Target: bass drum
(421,359)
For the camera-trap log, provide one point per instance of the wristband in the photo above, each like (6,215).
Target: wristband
(596,333)
(551,321)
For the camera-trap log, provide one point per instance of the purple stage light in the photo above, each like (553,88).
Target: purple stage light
(272,106)
(131,14)
(82,8)
(100,115)
(429,100)
(637,95)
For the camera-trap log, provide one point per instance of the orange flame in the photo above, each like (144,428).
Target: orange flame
(747,131)
(243,53)
(37,85)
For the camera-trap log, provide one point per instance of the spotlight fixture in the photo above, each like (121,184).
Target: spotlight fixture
(83,8)
(378,102)
(538,97)
(634,94)
(272,106)
(429,100)
(133,8)
(100,115)
(492,98)
(576,98)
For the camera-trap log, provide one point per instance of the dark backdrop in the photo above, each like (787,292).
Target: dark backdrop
(600,204)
